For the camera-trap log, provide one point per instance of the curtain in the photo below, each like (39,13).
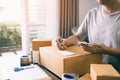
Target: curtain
(67,17)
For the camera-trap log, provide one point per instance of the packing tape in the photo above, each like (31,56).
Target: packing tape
(70,76)
(24,60)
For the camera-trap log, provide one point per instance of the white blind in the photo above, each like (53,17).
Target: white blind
(41,21)
(37,10)
(37,16)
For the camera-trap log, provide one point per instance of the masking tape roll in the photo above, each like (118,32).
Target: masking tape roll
(25,60)
(70,76)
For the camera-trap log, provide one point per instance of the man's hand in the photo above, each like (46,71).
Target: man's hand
(95,47)
(61,44)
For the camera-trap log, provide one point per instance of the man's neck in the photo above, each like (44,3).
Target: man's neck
(111,7)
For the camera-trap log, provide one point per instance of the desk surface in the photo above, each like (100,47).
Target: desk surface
(7,65)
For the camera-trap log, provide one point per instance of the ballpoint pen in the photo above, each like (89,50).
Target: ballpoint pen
(61,40)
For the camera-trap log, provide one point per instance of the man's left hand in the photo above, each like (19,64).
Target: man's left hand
(95,47)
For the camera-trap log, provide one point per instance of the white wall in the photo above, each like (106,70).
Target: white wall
(84,6)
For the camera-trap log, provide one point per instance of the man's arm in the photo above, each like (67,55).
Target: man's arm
(73,39)
(113,51)
(102,48)
(69,41)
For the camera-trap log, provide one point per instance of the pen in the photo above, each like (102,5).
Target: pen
(61,40)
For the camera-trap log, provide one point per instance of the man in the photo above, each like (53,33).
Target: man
(102,26)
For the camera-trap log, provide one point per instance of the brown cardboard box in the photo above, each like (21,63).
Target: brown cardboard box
(36,43)
(85,77)
(103,72)
(78,63)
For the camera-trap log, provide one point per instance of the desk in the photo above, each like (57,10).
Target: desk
(7,72)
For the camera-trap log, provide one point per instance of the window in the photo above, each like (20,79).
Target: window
(41,21)
(38,19)
(37,15)
(10,32)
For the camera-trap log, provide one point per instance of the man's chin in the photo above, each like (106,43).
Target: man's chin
(103,2)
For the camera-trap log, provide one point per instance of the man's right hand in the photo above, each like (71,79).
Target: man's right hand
(61,44)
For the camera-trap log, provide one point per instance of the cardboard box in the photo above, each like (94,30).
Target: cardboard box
(85,77)
(103,72)
(78,63)
(36,43)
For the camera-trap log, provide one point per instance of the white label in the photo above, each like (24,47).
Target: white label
(65,53)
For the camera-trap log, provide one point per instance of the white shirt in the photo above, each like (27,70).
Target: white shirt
(102,27)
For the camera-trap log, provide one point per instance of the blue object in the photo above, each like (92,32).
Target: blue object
(25,56)
(16,69)
(69,76)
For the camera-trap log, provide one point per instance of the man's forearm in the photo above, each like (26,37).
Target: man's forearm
(73,40)
(113,51)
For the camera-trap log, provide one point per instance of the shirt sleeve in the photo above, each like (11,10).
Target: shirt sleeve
(83,30)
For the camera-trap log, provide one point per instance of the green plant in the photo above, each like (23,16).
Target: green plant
(16,37)
(10,34)
(5,35)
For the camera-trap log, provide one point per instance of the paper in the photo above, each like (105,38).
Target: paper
(65,53)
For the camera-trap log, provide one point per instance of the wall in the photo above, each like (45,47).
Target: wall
(84,6)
